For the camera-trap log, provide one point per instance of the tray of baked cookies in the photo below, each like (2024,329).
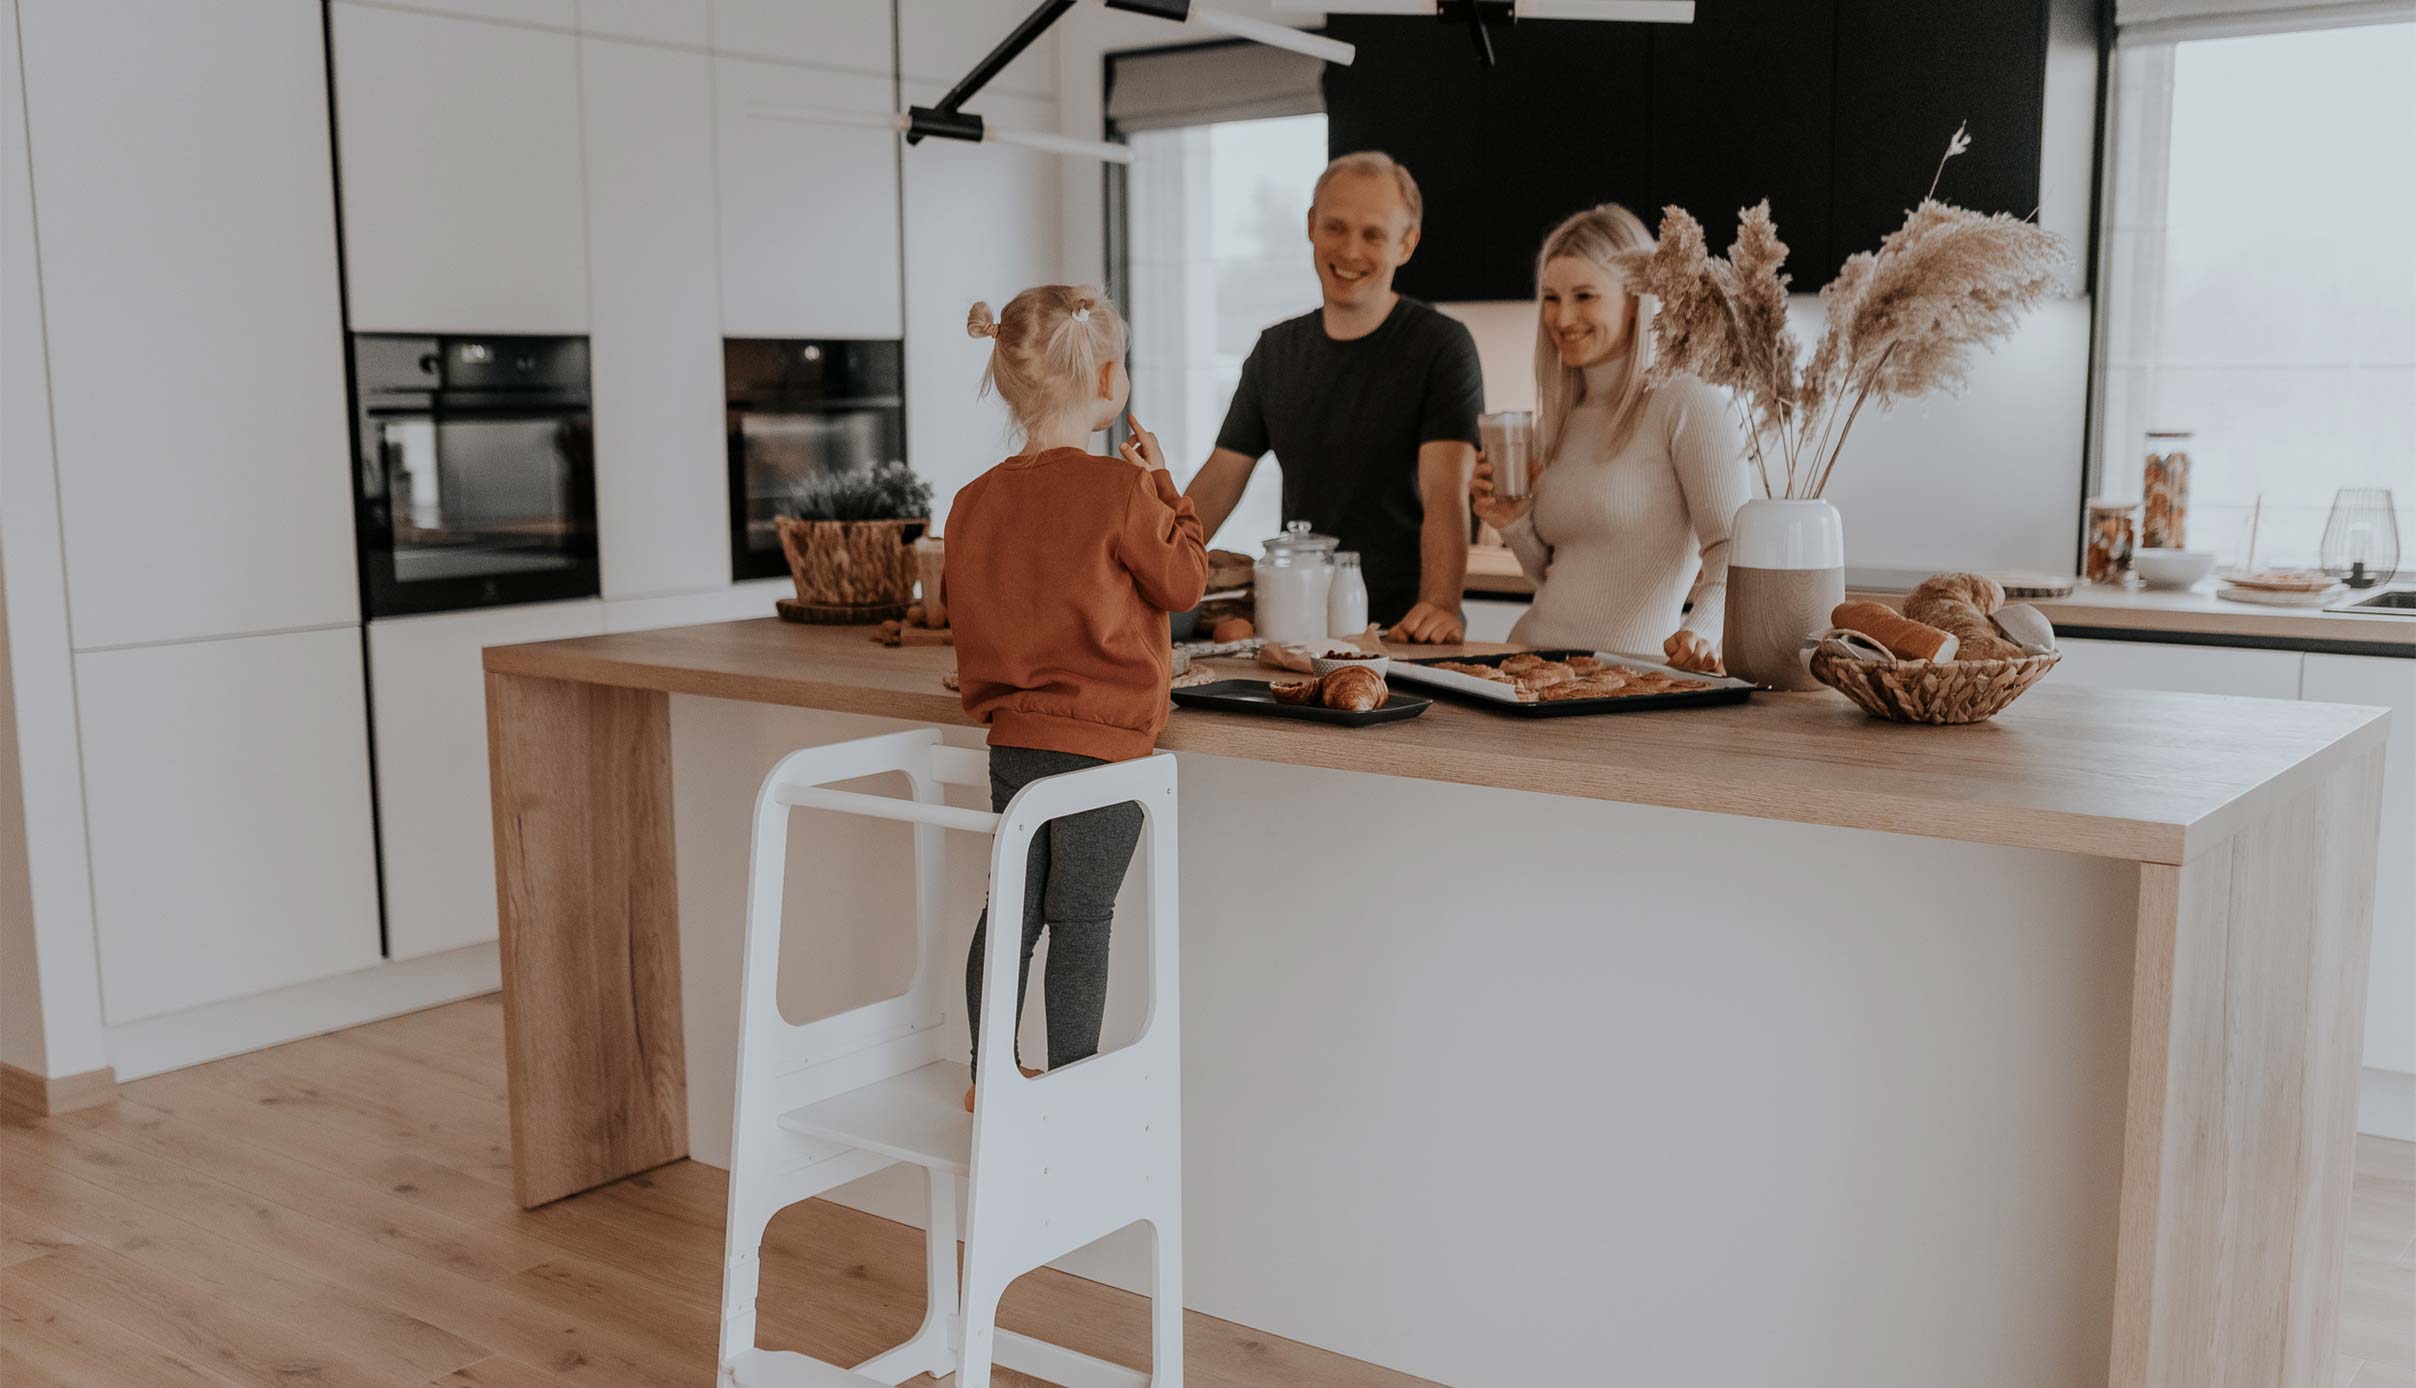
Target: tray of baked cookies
(1560,684)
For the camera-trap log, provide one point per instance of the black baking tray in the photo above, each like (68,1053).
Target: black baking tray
(1568,708)
(1255,696)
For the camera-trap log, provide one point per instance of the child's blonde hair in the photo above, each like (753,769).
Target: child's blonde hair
(1048,348)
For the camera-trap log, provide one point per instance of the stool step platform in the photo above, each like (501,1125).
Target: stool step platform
(780,1368)
(916,1117)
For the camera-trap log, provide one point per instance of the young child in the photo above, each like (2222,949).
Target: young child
(1062,566)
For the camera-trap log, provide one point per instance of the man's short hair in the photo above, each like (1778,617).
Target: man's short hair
(1376,163)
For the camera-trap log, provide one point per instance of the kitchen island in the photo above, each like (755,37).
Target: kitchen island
(1751,1044)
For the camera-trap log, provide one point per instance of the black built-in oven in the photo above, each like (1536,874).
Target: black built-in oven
(800,409)
(476,480)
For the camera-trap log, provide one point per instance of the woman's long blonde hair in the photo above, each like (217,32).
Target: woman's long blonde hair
(1596,234)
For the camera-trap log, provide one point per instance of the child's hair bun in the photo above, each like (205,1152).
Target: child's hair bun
(980,322)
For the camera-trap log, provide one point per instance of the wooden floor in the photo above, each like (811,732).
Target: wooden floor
(338,1212)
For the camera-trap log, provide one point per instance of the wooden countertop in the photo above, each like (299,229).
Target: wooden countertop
(2139,776)
(2195,615)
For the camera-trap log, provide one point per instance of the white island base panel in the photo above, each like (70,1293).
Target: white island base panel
(1506,1089)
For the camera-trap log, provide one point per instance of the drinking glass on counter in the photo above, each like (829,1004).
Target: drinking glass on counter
(1509,441)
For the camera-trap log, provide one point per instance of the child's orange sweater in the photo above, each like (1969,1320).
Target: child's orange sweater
(1061,570)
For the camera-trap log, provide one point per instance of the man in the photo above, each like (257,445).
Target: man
(1370,405)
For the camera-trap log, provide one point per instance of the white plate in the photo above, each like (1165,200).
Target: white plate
(2274,597)
(1500,693)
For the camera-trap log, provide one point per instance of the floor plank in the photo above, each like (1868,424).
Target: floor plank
(22,1236)
(338,1211)
(64,1340)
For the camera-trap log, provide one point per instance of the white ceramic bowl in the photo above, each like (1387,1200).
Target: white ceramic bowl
(2172,568)
(1325,665)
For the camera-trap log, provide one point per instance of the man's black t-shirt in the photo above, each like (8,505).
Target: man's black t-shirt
(1345,420)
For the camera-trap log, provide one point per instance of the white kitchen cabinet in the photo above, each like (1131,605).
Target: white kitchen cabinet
(952,259)
(757,597)
(662,471)
(227,795)
(687,22)
(939,41)
(556,14)
(809,212)
(462,204)
(1490,619)
(2391,982)
(184,206)
(834,33)
(683,610)
(2258,674)
(428,712)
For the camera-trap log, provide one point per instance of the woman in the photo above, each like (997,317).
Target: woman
(1629,516)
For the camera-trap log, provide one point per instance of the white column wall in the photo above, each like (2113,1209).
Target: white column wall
(49,983)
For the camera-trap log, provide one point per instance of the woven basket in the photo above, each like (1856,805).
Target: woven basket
(851,564)
(1923,691)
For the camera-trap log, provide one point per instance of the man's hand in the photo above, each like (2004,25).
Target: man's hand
(1688,651)
(1141,450)
(1427,623)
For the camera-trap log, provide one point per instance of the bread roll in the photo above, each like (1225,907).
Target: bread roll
(1905,638)
(1979,590)
(1959,604)
(1353,689)
(1232,629)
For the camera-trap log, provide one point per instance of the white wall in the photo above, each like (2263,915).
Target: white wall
(46,938)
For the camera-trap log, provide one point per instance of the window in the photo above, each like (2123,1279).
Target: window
(1217,249)
(2256,283)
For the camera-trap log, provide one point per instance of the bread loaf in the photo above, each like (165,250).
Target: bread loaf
(1904,638)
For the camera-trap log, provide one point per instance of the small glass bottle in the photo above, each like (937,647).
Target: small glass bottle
(1346,598)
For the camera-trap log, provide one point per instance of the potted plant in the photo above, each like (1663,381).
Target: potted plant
(1900,323)
(849,539)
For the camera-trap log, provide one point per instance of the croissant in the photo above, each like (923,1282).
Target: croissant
(1959,604)
(1979,590)
(1294,691)
(1354,689)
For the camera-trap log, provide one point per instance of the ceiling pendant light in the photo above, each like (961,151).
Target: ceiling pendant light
(1489,11)
(950,121)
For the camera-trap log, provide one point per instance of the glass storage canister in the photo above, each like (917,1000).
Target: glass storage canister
(2164,518)
(1290,583)
(2110,540)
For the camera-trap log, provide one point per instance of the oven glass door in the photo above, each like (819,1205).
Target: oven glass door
(473,506)
(773,450)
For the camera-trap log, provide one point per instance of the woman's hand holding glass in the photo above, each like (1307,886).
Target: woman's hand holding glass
(1493,509)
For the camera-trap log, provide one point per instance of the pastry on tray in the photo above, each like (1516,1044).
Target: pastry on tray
(1294,691)
(1353,689)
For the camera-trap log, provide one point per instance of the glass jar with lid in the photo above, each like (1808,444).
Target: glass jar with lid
(1290,583)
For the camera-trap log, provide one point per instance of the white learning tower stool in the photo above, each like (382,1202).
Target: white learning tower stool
(1052,1164)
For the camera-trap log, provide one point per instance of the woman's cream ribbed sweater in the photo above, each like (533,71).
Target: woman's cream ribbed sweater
(1618,543)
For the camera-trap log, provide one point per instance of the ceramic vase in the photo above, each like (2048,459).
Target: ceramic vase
(1786,573)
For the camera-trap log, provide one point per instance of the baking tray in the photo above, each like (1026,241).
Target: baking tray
(1498,697)
(1254,696)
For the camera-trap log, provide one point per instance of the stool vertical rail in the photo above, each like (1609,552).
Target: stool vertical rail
(1047,1165)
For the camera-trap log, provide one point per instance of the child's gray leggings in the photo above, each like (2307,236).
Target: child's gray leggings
(1069,885)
